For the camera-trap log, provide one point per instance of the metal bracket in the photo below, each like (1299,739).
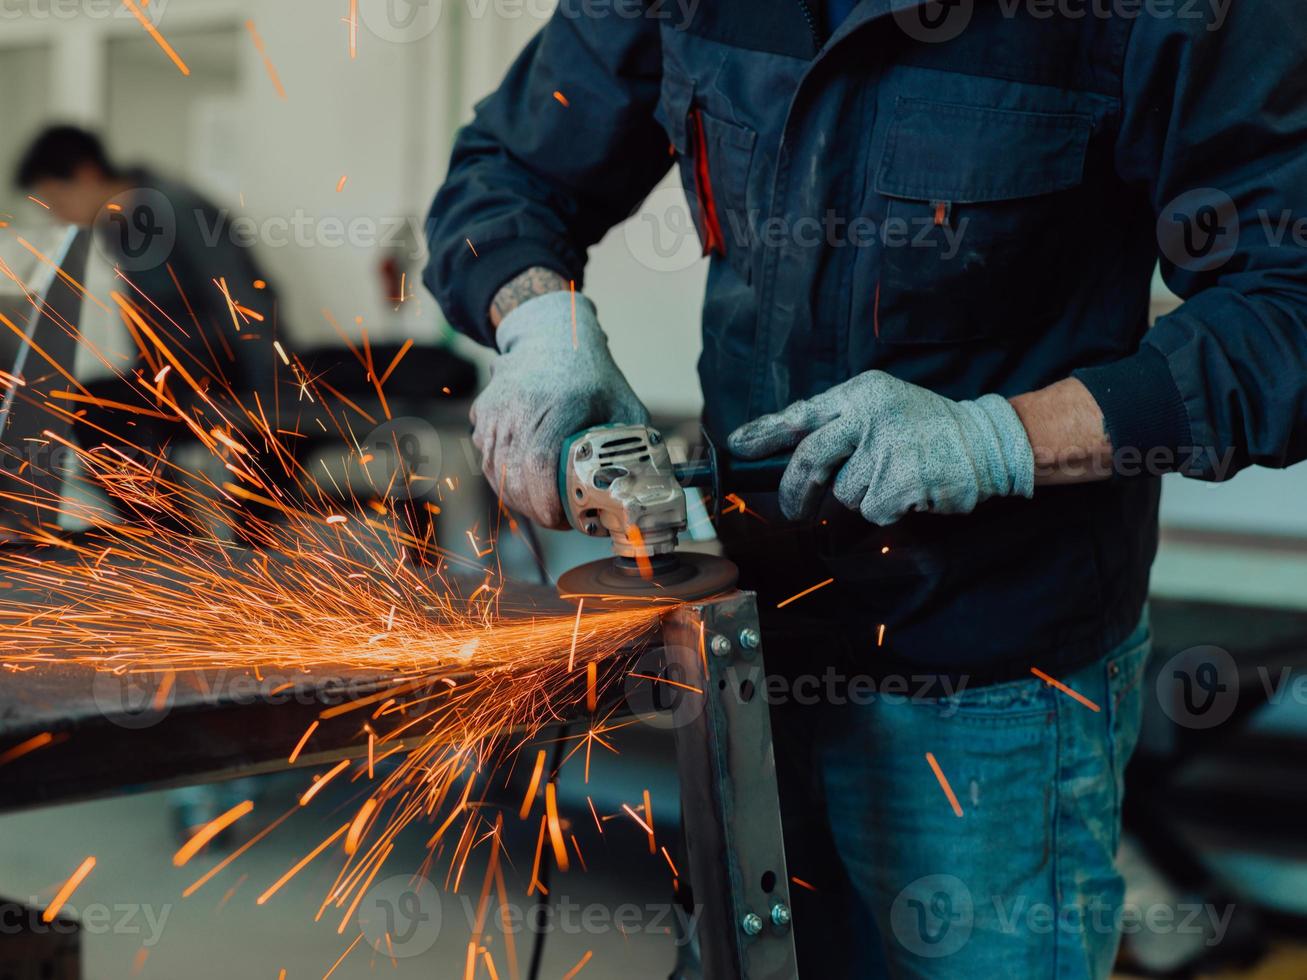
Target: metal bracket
(729,798)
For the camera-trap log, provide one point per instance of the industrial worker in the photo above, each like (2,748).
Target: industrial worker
(177,253)
(961,365)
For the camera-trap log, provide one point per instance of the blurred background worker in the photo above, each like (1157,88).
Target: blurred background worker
(978,423)
(182,265)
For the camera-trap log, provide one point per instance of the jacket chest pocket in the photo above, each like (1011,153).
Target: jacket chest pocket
(715,157)
(980,220)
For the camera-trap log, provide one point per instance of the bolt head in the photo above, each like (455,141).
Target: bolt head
(721,645)
(751,924)
(749,638)
(780,915)
(655,437)
(592,529)
(584,451)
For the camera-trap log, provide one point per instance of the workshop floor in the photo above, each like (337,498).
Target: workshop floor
(220,932)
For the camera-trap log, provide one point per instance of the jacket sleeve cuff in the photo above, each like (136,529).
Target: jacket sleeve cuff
(1143,409)
(490,271)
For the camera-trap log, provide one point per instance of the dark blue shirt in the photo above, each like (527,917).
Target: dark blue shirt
(836,11)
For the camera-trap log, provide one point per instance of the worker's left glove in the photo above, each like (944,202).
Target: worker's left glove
(895,447)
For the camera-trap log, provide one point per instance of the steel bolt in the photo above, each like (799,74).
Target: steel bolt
(655,437)
(721,646)
(592,529)
(749,638)
(751,924)
(780,915)
(584,451)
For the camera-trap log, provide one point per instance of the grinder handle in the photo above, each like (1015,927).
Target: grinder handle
(721,473)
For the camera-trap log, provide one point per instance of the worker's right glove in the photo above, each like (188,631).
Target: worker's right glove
(554,378)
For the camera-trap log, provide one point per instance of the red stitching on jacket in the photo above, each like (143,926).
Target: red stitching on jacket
(713,240)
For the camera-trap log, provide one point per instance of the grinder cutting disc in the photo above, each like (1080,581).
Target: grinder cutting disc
(684,576)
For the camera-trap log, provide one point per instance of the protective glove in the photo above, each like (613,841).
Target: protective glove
(896,447)
(543,389)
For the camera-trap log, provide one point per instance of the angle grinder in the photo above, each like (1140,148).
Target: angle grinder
(619,482)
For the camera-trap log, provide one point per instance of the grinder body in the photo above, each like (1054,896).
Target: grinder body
(618,481)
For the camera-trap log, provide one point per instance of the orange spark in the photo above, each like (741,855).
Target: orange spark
(340,186)
(357,939)
(299,746)
(943,782)
(648,815)
(1064,689)
(209,831)
(159,39)
(22,748)
(267,62)
(562,100)
(555,826)
(571,974)
(534,785)
(316,788)
(38,201)
(300,866)
(805,592)
(66,891)
(356,828)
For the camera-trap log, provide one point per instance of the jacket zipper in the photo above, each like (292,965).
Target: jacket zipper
(818,36)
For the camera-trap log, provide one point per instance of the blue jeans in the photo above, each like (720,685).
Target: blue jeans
(1022,884)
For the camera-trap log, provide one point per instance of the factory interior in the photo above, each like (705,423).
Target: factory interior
(304,673)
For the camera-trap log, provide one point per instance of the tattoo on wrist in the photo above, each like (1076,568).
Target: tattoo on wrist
(536,281)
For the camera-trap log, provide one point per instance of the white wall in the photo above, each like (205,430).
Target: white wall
(384,120)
